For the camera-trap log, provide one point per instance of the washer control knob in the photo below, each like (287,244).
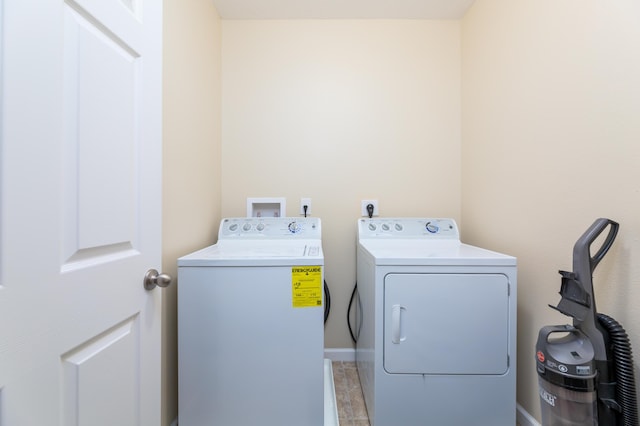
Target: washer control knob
(399,227)
(432,227)
(294,227)
(260,227)
(372,227)
(233,227)
(246,227)
(385,226)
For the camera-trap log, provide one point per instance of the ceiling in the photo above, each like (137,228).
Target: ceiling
(342,9)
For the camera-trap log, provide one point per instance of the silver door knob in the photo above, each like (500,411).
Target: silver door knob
(152,279)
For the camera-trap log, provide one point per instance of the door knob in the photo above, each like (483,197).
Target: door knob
(152,279)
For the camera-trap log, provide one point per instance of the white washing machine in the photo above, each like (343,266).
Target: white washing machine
(437,326)
(250,326)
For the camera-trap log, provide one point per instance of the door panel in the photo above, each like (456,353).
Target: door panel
(446,323)
(101,119)
(100,174)
(80,145)
(99,379)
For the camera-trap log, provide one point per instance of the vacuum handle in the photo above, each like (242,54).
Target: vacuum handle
(582,248)
(545,332)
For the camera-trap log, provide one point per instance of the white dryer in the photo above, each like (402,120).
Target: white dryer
(437,326)
(250,326)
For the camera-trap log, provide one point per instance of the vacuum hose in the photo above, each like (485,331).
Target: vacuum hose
(623,361)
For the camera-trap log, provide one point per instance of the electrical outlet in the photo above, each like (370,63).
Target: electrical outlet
(305,202)
(364,210)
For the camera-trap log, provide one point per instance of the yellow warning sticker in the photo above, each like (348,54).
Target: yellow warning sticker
(306,285)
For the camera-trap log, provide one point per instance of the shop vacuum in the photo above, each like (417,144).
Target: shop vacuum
(585,370)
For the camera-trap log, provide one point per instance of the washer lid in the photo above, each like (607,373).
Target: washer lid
(257,253)
(253,241)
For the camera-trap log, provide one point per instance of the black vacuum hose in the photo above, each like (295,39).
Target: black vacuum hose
(623,364)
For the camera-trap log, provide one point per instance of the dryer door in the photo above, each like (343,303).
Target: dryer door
(446,323)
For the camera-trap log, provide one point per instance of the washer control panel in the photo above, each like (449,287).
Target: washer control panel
(422,228)
(265,228)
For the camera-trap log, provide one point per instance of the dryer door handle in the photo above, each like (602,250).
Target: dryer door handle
(396,324)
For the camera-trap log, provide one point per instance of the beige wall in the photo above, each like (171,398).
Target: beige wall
(551,132)
(340,111)
(191,167)
(521,121)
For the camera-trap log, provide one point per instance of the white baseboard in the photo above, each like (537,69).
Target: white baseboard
(524,418)
(340,354)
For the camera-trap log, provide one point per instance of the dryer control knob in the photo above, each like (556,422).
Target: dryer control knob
(432,227)
(372,226)
(246,227)
(385,227)
(399,227)
(260,227)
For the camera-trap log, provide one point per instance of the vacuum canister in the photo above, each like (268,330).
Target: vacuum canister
(566,377)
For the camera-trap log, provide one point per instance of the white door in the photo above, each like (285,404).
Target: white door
(80,120)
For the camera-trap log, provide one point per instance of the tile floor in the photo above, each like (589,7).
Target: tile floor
(351,408)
